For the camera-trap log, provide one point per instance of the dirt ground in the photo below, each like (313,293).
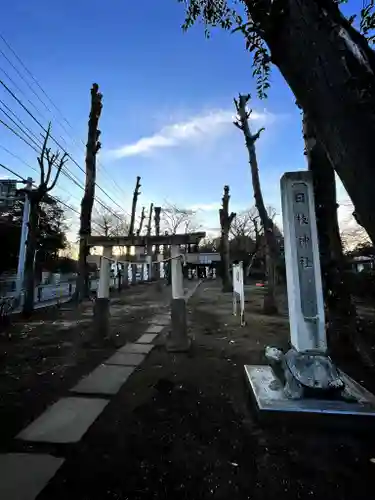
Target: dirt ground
(183,426)
(41,359)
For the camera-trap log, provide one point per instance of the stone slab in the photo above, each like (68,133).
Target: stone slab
(147,338)
(105,379)
(66,421)
(270,399)
(24,475)
(155,329)
(125,359)
(136,348)
(161,320)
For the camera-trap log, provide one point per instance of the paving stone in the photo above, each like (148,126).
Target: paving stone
(125,359)
(66,421)
(147,338)
(24,475)
(154,328)
(136,348)
(161,320)
(105,379)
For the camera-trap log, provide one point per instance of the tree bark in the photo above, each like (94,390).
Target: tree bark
(330,69)
(92,148)
(340,308)
(134,206)
(269,306)
(225,223)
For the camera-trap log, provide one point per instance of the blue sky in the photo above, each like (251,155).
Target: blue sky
(167,102)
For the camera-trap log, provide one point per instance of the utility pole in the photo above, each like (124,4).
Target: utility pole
(24,233)
(92,147)
(141,221)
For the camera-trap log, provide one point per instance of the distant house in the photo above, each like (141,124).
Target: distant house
(362,263)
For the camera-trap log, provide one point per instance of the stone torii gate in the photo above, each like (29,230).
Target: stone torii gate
(178,340)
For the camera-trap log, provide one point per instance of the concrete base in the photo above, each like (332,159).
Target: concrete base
(101,318)
(270,400)
(178,340)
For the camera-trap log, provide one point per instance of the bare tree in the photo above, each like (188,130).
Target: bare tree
(176,219)
(246,232)
(351,233)
(134,205)
(242,123)
(141,222)
(226,220)
(47,162)
(92,147)
(336,293)
(109,223)
(150,220)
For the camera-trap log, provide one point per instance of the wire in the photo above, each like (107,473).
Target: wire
(12,172)
(7,44)
(65,171)
(49,110)
(18,135)
(19,158)
(18,126)
(55,141)
(20,121)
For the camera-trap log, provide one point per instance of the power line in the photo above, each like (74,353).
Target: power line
(19,127)
(54,140)
(14,96)
(18,135)
(10,48)
(65,171)
(13,173)
(19,158)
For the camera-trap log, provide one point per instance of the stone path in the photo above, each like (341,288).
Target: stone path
(24,475)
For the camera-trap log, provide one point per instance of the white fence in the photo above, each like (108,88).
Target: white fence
(238,291)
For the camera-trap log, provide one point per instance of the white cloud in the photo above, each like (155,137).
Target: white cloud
(177,133)
(206,207)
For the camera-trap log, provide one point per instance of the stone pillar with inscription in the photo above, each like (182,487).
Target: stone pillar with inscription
(304,283)
(304,380)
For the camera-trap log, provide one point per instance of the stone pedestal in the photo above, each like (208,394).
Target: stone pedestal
(304,380)
(101,318)
(178,340)
(125,278)
(134,274)
(273,406)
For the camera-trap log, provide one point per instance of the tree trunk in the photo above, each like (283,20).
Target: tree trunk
(340,308)
(269,306)
(330,69)
(134,206)
(225,260)
(92,148)
(226,220)
(28,306)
